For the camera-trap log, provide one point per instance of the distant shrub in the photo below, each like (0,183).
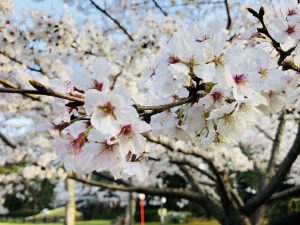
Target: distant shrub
(178,217)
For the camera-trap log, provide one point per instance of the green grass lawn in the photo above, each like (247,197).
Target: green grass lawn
(107,222)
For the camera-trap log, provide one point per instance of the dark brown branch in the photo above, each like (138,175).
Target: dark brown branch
(21,63)
(160,8)
(263,30)
(283,169)
(168,192)
(229,20)
(114,80)
(194,166)
(223,183)
(7,141)
(113,19)
(275,149)
(9,84)
(160,108)
(41,90)
(211,205)
(290,192)
(108,177)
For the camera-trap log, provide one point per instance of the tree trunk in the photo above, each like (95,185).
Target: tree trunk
(127,218)
(258,216)
(130,210)
(237,220)
(71,204)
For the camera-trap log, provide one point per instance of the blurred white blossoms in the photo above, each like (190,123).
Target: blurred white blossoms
(205,87)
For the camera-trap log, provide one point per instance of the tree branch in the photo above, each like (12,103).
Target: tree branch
(7,83)
(21,63)
(160,8)
(264,132)
(263,30)
(223,184)
(229,20)
(283,169)
(7,141)
(192,196)
(41,90)
(275,149)
(194,166)
(113,19)
(161,108)
(290,192)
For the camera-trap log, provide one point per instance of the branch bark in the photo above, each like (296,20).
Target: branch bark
(290,192)
(40,70)
(7,141)
(229,20)
(192,196)
(112,19)
(275,149)
(41,90)
(194,166)
(283,169)
(8,84)
(160,8)
(263,30)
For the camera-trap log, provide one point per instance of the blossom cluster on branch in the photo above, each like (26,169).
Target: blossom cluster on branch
(205,87)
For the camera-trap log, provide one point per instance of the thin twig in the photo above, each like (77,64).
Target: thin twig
(21,63)
(264,132)
(113,19)
(160,8)
(161,108)
(41,90)
(263,30)
(7,141)
(229,20)
(7,83)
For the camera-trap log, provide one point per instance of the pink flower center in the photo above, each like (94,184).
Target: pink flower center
(240,79)
(107,109)
(217,96)
(107,146)
(127,130)
(173,59)
(76,145)
(97,85)
(290,29)
(291,12)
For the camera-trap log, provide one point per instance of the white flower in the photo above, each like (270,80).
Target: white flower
(290,9)
(98,79)
(108,110)
(130,136)
(102,152)
(281,30)
(69,149)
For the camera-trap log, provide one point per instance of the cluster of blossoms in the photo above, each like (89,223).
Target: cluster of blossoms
(230,86)
(223,83)
(103,134)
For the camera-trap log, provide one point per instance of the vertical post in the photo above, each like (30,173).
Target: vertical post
(142,197)
(163,200)
(71,204)
(130,209)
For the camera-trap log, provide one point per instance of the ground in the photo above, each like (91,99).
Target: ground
(107,222)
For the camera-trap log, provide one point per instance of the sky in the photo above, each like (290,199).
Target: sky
(24,5)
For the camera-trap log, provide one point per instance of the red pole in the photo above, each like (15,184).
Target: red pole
(142,211)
